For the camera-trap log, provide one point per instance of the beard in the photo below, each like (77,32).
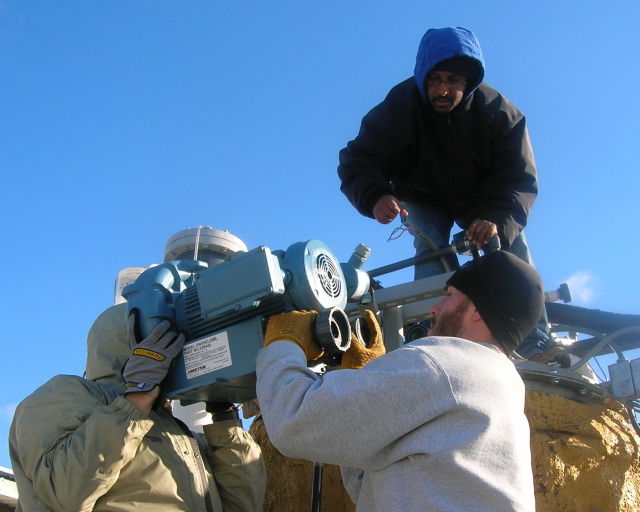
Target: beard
(449,323)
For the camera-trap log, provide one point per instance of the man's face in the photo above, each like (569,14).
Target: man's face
(450,314)
(445,90)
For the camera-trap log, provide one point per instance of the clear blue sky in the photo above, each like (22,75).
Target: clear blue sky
(124,122)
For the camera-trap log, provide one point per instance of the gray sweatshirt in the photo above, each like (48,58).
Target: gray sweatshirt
(437,425)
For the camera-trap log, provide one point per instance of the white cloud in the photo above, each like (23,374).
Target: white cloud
(7,412)
(582,287)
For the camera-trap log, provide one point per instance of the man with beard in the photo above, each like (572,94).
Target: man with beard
(437,424)
(446,147)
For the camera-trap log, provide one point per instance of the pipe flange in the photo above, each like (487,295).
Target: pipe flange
(332,330)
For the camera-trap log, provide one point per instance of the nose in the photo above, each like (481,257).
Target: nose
(436,308)
(443,88)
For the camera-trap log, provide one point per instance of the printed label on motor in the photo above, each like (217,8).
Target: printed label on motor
(207,355)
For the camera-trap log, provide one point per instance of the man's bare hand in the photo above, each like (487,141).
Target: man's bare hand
(144,399)
(481,231)
(387,208)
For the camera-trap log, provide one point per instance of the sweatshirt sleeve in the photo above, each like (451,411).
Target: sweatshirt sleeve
(237,466)
(352,481)
(347,417)
(71,444)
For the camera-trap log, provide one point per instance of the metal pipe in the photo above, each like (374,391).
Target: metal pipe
(431,255)
(604,341)
(316,487)
(458,247)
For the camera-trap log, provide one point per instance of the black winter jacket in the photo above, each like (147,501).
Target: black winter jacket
(475,162)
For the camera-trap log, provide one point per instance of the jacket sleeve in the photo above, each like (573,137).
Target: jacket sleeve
(369,163)
(511,187)
(71,444)
(348,417)
(237,466)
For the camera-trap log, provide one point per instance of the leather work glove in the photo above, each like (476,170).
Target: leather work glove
(150,358)
(358,354)
(295,326)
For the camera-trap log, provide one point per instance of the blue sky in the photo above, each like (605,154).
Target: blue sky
(124,122)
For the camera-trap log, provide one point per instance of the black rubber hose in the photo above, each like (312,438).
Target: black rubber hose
(592,319)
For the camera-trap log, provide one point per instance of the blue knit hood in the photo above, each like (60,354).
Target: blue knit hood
(440,44)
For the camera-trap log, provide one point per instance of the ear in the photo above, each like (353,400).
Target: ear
(475,316)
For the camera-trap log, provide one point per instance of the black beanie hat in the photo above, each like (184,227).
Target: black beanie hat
(465,66)
(506,291)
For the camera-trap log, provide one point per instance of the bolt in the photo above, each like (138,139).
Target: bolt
(362,251)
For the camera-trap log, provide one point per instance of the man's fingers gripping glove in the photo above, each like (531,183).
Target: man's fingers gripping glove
(358,354)
(150,358)
(296,326)
(555,355)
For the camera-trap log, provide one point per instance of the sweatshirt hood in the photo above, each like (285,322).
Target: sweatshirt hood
(439,44)
(108,346)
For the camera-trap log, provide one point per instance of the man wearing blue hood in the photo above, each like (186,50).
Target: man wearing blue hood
(444,147)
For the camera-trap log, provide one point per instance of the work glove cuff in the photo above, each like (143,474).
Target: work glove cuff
(297,327)
(138,387)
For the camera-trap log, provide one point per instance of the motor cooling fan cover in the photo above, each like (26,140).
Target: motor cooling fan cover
(317,281)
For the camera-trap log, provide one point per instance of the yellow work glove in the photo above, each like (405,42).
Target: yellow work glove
(358,354)
(296,326)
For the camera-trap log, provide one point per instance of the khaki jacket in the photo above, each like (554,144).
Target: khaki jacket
(77,445)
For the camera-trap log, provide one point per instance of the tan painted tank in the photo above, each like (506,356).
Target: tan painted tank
(289,480)
(585,457)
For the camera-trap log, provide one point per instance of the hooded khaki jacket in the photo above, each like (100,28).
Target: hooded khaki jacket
(78,445)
